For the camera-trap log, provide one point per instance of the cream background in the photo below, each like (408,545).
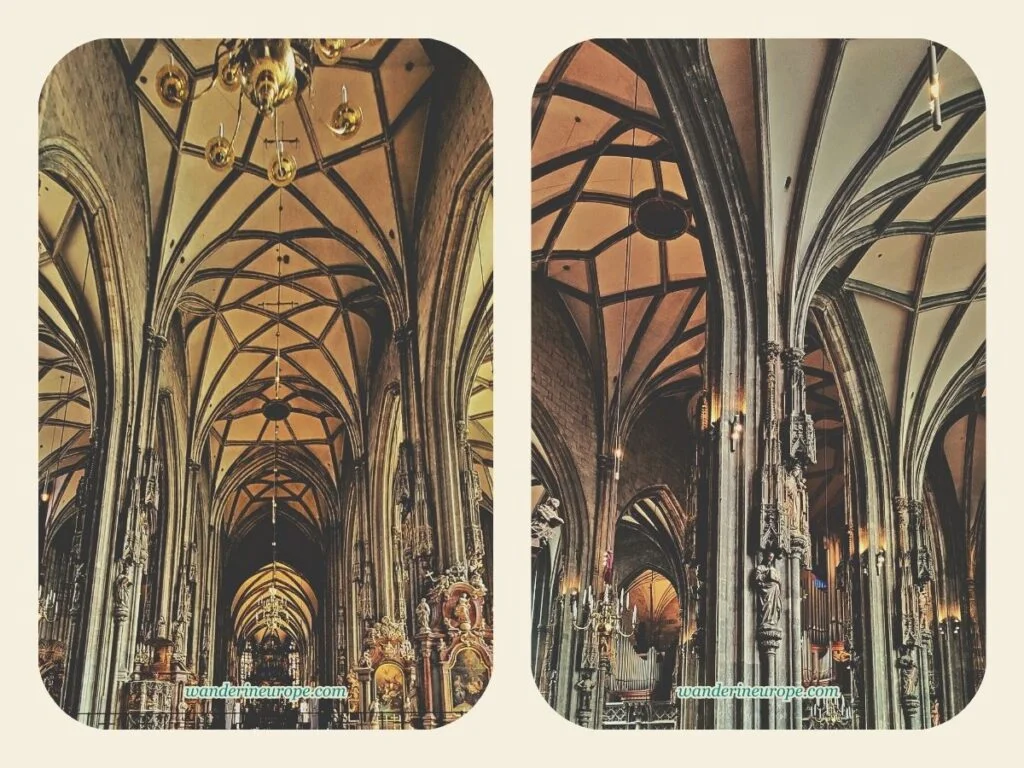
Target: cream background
(511,43)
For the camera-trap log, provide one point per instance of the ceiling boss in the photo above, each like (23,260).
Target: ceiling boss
(269,73)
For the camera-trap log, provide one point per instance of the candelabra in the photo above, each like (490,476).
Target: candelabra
(606,616)
(830,715)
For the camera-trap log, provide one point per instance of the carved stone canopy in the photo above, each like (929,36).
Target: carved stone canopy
(386,641)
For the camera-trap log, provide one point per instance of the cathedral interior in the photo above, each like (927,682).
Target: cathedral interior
(265,381)
(758,384)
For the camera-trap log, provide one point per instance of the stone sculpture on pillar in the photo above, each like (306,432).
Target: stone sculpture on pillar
(769,603)
(423,616)
(122,590)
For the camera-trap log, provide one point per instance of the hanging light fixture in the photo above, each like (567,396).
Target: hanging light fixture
(220,153)
(346,119)
(172,85)
(283,168)
(269,73)
(329,50)
(272,606)
(934,105)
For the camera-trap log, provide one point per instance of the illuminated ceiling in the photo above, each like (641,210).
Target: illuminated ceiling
(837,152)
(341,227)
(299,602)
(860,183)
(599,147)
(657,610)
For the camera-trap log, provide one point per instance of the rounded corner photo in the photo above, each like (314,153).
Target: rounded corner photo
(265,380)
(758,384)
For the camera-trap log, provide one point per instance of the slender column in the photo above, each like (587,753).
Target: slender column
(800,451)
(683,87)
(774,535)
(604,524)
(86,505)
(472,496)
(976,630)
(429,719)
(429,548)
(906,652)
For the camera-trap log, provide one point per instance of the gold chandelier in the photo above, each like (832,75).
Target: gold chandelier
(269,73)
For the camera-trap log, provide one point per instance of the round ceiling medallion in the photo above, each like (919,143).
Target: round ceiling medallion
(661,215)
(277,410)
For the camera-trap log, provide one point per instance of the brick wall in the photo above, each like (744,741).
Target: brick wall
(562,383)
(658,450)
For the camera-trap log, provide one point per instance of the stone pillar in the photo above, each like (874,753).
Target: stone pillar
(86,503)
(428,719)
(431,550)
(605,520)
(976,631)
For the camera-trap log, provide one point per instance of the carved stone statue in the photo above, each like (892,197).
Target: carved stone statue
(142,538)
(180,640)
(186,602)
(908,676)
(796,522)
(769,592)
(463,616)
(122,590)
(422,616)
(78,585)
(545,520)
(354,693)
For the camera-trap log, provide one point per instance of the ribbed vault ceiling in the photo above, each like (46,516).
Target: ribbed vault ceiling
(826,477)
(299,604)
(67,291)
(858,182)
(65,425)
(336,236)
(598,146)
(839,155)
(657,608)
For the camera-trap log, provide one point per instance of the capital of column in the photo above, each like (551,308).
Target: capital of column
(605,463)
(771,350)
(793,356)
(916,508)
(402,334)
(900,504)
(153,338)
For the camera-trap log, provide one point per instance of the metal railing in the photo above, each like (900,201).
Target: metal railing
(641,715)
